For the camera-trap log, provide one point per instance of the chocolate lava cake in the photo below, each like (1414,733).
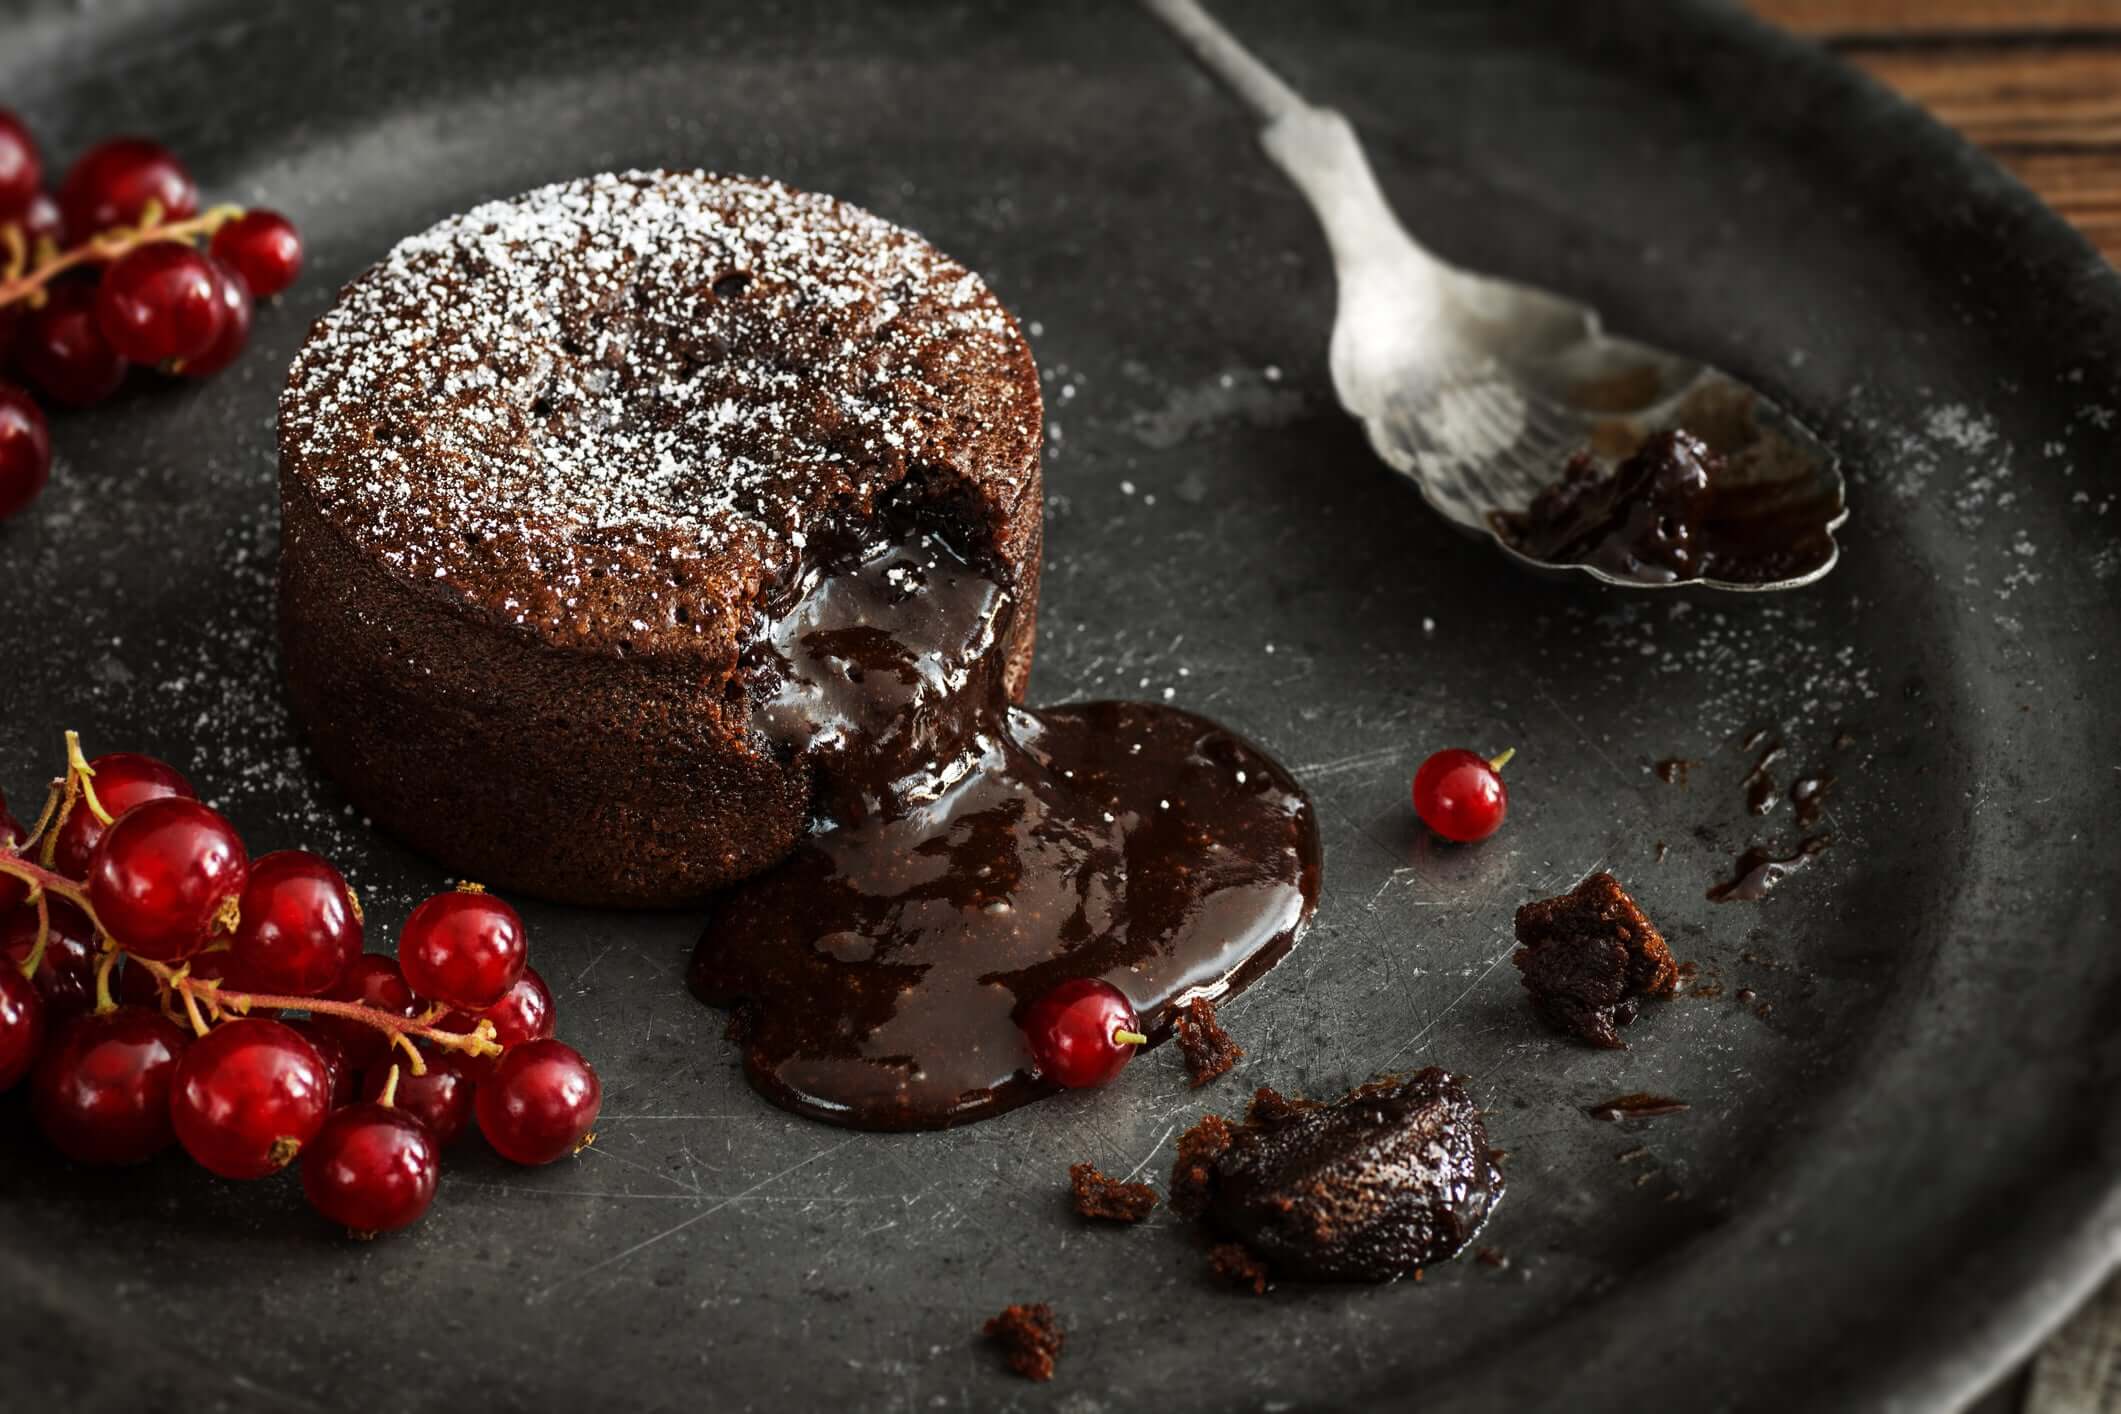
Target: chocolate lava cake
(552,472)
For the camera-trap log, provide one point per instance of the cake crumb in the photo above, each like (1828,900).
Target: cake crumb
(1208,1049)
(1235,1264)
(1030,1338)
(1589,957)
(1098,1195)
(1198,1149)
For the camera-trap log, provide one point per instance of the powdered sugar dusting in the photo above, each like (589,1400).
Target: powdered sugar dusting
(618,375)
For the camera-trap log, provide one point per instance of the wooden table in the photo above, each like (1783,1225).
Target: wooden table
(2037,83)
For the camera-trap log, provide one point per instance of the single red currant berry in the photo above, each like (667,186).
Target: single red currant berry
(372,980)
(301,927)
(236,309)
(525,1014)
(343,1078)
(1460,795)
(439,1097)
(25,450)
(61,350)
(101,1089)
(465,948)
(371,1169)
(66,978)
(13,891)
(264,248)
(540,1104)
(1082,1033)
(123,780)
(160,302)
(40,221)
(166,877)
(21,169)
(133,985)
(248,1095)
(112,183)
(21,1025)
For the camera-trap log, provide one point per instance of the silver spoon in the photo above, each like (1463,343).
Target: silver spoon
(1481,389)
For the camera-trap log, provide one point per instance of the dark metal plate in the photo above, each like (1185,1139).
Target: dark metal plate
(1889,1183)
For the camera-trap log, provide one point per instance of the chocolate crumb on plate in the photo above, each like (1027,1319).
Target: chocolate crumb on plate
(1198,1149)
(1099,1196)
(1030,1338)
(1235,1264)
(1208,1049)
(1589,957)
(1369,1187)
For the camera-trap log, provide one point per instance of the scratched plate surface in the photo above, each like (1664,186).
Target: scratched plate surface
(1899,1162)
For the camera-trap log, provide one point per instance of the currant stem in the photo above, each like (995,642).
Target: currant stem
(389,1098)
(104,964)
(477,1042)
(77,765)
(29,286)
(35,959)
(1129,1038)
(1496,763)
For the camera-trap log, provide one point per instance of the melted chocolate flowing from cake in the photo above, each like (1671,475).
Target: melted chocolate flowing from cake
(969,856)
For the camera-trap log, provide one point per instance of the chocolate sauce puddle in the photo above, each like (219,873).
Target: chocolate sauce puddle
(1676,510)
(1757,872)
(970,855)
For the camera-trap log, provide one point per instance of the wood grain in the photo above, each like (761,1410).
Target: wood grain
(1932,17)
(2035,82)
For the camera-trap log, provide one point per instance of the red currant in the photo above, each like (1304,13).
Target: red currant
(1082,1033)
(62,351)
(124,779)
(236,310)
(439,1097)
(371,1169)
(334,1057)
(25,450)
(13,891)
(1460,795)
(165,877)
(540,1104)
(248,1095)
(112,183)
(101,1089)
(161,302)
(264,248)
(133,985)
(525,1014)
(21,1025)
(373,980)
(40,221)
(21,170)
(465,948)
(301,928)
(66,978)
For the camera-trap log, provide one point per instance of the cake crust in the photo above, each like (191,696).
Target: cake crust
(549,467)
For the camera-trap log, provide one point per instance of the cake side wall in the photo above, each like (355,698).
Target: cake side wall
(581,778)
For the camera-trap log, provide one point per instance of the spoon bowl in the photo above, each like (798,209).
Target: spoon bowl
(1483,390)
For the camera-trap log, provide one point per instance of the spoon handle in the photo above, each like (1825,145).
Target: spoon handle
(1315,147)
(1257,86)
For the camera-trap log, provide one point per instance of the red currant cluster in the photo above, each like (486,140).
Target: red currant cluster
(159,986)
(129,212)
